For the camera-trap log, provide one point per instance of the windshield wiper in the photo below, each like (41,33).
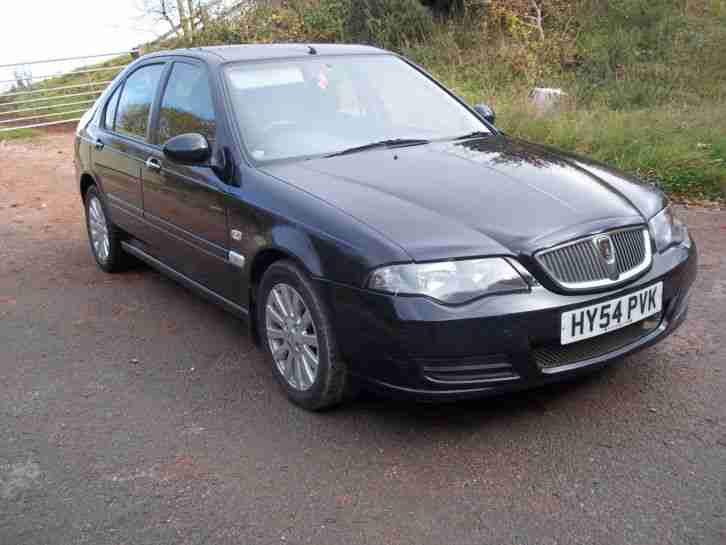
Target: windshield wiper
(474,134)
(390,143)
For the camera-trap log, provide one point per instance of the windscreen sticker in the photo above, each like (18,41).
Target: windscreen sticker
(266,77)
(323,80)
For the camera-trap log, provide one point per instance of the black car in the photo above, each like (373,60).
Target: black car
(371,226)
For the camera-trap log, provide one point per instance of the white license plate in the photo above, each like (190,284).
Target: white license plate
(584,323)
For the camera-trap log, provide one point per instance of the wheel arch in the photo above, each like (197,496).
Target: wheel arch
(260,263)
(85,182)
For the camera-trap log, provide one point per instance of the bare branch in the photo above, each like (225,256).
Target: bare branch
(538,18)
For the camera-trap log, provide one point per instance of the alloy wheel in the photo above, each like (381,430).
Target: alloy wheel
(292,336)
(98,229)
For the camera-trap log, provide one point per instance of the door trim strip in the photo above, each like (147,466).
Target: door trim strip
(213,296)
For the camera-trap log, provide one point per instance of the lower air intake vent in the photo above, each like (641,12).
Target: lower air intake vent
(555,355)
(491,368)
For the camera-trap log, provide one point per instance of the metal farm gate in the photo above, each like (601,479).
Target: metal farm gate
(61,94)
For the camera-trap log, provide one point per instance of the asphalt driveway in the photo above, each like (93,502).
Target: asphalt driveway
(134,412)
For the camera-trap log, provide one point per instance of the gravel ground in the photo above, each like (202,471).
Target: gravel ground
(134,412)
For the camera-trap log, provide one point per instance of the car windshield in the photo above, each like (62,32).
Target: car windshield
(321,106)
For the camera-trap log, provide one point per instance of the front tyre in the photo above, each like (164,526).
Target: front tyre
(104,236)
(295,330)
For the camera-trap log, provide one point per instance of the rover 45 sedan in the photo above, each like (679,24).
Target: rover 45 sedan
(373,228)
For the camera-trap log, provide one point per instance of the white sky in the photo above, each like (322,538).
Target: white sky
(46,29)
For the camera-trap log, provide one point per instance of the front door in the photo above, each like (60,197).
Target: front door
(186,204)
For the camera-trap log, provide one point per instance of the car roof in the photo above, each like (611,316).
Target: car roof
(219,54)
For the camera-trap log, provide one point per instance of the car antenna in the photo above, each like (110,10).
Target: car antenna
(312,50)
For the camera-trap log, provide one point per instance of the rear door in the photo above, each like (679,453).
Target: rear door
(186,204)
(121,144)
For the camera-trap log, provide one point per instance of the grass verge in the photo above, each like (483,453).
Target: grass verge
(18,133)
(683,150)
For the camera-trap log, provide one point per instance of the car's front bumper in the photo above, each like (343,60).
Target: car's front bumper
(415,347)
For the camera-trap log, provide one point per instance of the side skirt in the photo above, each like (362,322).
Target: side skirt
(187,282)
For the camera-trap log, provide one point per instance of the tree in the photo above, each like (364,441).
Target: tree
(535,14)
(161,10)
(182,16)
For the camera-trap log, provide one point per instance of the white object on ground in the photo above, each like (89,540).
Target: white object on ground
(546,98)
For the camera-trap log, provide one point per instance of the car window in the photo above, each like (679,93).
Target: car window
(401,94)
(111,109)
(316,106)
(134,105)
(187,105)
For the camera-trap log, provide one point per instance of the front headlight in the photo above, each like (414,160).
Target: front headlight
(451,282)
(668,230)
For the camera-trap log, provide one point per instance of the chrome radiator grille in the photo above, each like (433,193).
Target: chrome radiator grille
(581,265)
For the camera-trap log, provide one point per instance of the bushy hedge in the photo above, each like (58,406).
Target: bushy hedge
(391,24)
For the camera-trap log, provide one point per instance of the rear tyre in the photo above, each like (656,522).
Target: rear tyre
(103,236)
(295,329)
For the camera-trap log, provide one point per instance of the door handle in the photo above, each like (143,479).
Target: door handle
(99,144)
(153,164)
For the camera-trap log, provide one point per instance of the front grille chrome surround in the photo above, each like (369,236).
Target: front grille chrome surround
(578,266)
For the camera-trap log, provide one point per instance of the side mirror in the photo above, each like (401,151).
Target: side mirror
(188,149)
(485,112)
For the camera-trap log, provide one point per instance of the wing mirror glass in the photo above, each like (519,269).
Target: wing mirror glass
(485,112)
(188,149)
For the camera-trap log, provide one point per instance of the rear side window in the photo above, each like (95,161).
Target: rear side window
(111,109)
(132,113)
(187,104)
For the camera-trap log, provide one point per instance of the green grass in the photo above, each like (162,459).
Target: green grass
(19,133)
(683,149)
